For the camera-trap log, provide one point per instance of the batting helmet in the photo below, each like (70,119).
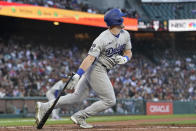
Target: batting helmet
(113,17)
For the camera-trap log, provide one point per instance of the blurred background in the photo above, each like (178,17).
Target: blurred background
(42,39)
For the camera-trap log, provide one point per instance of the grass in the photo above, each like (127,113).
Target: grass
(30,121)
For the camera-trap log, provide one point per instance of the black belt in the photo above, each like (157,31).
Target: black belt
(105,67)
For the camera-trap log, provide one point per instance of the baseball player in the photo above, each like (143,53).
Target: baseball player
(53,92)
(111,47)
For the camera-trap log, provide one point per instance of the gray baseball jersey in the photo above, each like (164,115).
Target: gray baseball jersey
(107,46)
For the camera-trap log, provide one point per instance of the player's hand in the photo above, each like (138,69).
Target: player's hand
(121,59)
(71,85)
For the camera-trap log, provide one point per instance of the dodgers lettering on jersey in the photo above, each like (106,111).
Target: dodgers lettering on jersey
(106,47)
(111,51)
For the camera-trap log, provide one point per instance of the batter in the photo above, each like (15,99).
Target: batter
(111,47)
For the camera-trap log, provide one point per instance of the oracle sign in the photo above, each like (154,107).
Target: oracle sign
(159,108)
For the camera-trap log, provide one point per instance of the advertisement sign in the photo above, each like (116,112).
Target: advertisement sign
(153,25)
(159,108)
(182,25)
(167,1)
(59,15)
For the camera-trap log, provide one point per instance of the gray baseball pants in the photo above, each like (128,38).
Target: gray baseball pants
(96,78)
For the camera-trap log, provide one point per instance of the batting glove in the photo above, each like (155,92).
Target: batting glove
(73,82)
(71,85)
(121,59)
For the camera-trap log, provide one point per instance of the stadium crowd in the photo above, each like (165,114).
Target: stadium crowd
(77,5)
(30,69)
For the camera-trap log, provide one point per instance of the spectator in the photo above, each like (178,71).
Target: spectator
(72,5)
(27,71)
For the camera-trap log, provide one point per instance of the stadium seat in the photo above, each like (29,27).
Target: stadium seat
(165,11)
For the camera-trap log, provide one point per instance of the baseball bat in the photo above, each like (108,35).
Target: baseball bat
(45,117)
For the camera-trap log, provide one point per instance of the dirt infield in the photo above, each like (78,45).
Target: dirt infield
(131,125)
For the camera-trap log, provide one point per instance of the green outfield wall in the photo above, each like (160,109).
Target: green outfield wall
(25,107)
(183,107)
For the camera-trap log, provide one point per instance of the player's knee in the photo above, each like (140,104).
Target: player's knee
(111,102)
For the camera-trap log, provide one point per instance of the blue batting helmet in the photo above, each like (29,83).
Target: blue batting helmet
(113,17)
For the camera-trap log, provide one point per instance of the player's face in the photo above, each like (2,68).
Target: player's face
(118,26)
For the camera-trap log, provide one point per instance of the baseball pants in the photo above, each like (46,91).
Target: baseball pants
(96,78)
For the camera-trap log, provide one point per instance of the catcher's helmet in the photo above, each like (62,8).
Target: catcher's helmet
(113,17)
